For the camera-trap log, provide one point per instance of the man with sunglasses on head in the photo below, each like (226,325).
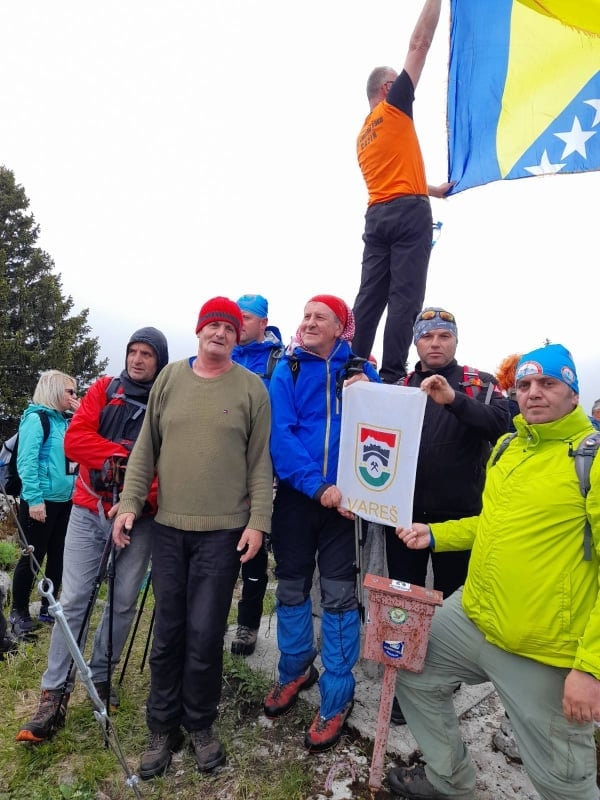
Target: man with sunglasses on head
(398,223)
(465,414)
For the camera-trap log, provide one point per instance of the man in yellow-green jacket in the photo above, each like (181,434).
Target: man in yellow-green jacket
(528,617)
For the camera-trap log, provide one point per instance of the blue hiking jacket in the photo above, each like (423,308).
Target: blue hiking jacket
(42,465)
(306,418)
(255,355)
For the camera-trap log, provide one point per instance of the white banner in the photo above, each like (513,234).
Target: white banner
(379,446)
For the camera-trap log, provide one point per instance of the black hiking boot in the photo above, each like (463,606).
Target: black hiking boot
(156,758)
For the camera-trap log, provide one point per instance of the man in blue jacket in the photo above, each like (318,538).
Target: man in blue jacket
(259,350)
(309,526)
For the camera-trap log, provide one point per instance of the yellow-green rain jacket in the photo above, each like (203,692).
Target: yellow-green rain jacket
(529,589)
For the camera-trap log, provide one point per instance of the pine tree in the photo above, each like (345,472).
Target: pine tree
(36,329)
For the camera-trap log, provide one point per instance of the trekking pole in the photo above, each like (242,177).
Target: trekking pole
(46,589)
(358,546)
(147,647)
(110,579)
(136,626)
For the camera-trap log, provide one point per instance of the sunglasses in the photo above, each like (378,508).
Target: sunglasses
(432,313)
(71,391)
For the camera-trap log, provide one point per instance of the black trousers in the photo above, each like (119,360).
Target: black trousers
(449,569)
(48,541)
(193,577)
(397,246)
(254,585)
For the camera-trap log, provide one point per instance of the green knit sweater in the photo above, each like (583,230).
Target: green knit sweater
(209,441)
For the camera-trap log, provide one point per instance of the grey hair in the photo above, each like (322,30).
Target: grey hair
(377,78)
(51,387)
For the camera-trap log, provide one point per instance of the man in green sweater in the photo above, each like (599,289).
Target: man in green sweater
(206,432)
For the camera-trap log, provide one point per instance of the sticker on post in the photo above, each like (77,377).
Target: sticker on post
(401,586)
(393,649)
(397,616)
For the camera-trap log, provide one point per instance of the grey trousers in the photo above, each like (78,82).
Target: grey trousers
(559,756)
(86,536)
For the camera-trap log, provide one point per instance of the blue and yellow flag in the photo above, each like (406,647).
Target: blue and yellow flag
(523,89)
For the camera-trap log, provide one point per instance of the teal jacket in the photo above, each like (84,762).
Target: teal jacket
(41,465)
(529,589)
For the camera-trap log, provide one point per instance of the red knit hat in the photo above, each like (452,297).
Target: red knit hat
(336,304)
(221,309)
(342,311)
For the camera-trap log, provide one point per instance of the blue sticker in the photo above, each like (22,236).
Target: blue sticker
(393,649)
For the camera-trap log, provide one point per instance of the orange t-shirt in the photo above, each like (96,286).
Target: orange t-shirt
(389,155)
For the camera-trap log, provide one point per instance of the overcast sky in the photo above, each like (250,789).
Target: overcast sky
(177,150)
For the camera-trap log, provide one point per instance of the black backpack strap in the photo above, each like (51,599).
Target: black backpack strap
(502,447)
(584,456)
(112,393)
(294,365)
(45,420)
(274,356)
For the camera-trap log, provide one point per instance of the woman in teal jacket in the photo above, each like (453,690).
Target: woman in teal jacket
(47,487)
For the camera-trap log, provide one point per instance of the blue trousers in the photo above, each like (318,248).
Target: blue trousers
(305,534)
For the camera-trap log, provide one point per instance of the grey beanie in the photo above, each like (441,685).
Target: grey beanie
(157,342)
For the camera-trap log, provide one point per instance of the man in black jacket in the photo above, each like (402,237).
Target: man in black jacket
(465,414)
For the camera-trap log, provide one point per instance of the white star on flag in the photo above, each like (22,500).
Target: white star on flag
(575,139)
(545,167)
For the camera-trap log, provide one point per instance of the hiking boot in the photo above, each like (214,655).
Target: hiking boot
(102,689)
(325,733)
(21,623)
(207,749)
(283,696)
(157,756)
(7,645)
(412,782)
(244,642)
(504,741)
(397,717)
(49,717)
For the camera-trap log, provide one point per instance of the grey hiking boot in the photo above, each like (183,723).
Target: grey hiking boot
(21,623)
(207,749)
(49,717)
(413,782)
(157,756)
(244,642)
(504,742)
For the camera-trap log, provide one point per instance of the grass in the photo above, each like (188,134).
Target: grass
(264,760)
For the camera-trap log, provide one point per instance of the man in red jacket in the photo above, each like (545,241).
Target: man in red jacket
(100,435)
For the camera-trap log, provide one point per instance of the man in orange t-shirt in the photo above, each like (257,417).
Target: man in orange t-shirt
(398,223)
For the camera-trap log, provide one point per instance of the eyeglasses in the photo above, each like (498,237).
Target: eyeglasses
(71,391)
(432,313)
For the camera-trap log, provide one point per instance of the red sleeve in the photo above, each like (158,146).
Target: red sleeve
(83,443)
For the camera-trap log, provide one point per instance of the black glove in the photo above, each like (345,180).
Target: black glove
(111,474)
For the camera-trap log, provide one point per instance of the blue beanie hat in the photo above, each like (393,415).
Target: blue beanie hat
(553,360)
(254,304)
(432,319)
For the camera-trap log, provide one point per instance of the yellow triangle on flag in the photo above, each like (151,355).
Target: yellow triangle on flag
(548,65)
(581,14)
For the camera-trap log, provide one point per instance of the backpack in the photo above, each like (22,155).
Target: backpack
(274,355)
(471,383)
(584,455)
(10,478)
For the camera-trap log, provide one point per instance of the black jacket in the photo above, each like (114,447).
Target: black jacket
(455,443)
